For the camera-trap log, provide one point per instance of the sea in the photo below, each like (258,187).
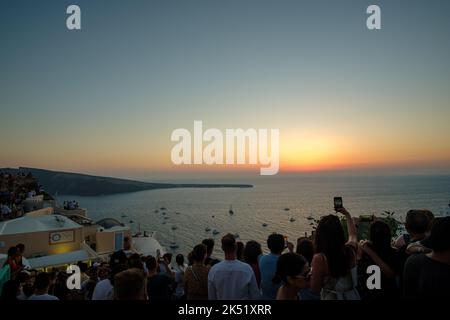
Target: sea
(274,204)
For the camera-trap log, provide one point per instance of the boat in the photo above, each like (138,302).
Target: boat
(174,227)
(162,208)
(310,217)
(173,245)
(147,244)
(166,217)
(163,222)
(286,209)
(156,211)
(123,216)
(177,212)
(131,221)
(264,224)
(291,219)
(207,229)
(163,213)
(231,210)
(215,232)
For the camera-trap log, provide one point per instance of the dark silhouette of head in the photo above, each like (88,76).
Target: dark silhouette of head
(115,270)
(118,257)
(199,253)
(129,285)
(291,270)
(151,264)
(417,222)
(330,241)
(305,248)
(276,243)
(135,261)
(380,237)
(21,248)
(209,243)
(229,244)
(42,281)
(179,259)
(252,251)
(13,253)
(439,238)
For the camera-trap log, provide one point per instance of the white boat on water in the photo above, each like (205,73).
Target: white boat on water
(147,244)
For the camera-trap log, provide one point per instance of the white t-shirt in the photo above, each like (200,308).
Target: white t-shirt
(232,280)
(103,290)
(179,279)
(42,297)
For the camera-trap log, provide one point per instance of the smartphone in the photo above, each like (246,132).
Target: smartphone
(338,202)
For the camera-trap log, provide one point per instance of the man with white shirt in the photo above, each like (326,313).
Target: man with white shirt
(232,279)
(104,289)
(42,283)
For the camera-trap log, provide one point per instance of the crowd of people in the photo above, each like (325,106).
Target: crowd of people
(14,189)
(331,266)
(70,205)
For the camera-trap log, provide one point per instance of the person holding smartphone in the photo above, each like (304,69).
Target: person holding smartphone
(334,273)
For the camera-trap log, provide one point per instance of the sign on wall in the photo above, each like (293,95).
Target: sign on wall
(61,237)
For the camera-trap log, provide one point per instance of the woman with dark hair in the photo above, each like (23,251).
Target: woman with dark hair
(196,275)
(292,272)
(179,269)
(252,252)
(13,262)
(334,271)
(379,251)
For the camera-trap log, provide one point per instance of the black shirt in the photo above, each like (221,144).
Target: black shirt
(389,286)
(425,278)
(159,288)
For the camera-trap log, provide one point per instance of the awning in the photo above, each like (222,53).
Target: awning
(60,259)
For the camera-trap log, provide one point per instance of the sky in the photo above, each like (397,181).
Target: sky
(105,99)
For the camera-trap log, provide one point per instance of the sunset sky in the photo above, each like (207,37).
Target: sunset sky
(105,99)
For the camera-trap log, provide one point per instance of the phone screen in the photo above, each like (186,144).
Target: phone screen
(338,202)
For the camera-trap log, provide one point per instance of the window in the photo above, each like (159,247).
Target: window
(118,241)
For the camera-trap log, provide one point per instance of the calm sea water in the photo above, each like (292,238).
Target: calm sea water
(264,203)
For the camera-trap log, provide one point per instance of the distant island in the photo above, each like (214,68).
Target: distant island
(68,183)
